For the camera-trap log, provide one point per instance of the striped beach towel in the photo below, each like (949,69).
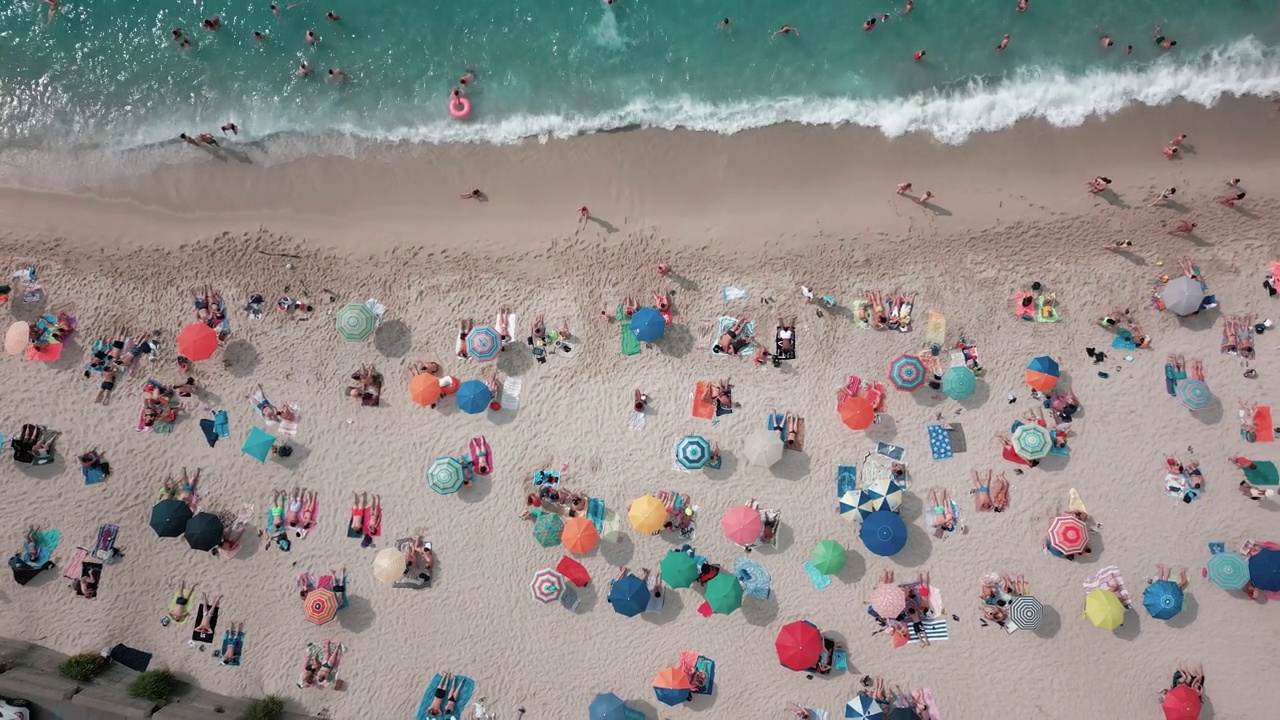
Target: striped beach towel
(1103,579)
(935,630)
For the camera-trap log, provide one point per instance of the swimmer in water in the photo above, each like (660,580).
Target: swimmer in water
(724,24)
(177,34)
(332,16)
(303,70)
(311,38)
(275,10)
(53,9)
(1178,140)
(1106,40)
(1162,41)
(1022,5)
(1128,49)
(918,56)
(213,24)
(911,5)
(232,127)
(187,139)
(337,76)
(785,30)
(207,139)
(869,25)
(467,78)
(259,37)
(1003,43)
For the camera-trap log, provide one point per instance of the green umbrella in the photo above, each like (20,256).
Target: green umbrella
(445,475)
(356,322)
(547,530)
(828,557)
(959,382)
(724,593)
(679,569)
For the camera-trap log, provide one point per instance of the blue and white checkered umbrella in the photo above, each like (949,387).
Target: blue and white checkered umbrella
(862,707)
(882,495)
(693,452)
(483,343)
(849,506)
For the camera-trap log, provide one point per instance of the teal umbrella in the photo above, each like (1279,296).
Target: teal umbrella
(724,593)
(356,322)
(258,444)
(679,569)
(959,382)
(548,529)
(828,557)
(445,475)
(693,452)
(1032,442)
(1227,570)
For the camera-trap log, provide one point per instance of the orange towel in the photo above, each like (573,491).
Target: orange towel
(1266,429)
(876,397)
(703,408)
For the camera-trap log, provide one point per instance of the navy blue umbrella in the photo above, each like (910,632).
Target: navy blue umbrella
(629,595)
(648,324)
(169,517)
(204,531)
(884,533)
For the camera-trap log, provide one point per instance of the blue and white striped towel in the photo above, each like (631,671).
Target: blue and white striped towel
(935,630)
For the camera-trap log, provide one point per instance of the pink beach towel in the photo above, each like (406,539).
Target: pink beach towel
(76,564)
(931,705)
(1103,578)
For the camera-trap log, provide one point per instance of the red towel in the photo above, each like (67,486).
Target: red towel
(1266,429)
(703,408)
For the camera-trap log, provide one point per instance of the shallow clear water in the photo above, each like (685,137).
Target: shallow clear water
(106,73)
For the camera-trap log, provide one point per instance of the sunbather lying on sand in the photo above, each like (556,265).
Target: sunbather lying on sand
(206,612)
(879,319)
(465,326)
(786,333)
(943,518)
(178,611)
(800,712)
(733,339)
(662,301)
(446,692)
(1196,370)
(359,504)
(368,387)
(310,667)
(421,553)
(1188,268)
(105,387)
(795,430)
(629,306)
(981,491)
(1164,572)
(234,633)
(999,493)
(187,485)
(87,585)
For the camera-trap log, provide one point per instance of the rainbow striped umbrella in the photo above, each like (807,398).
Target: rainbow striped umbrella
(907,372)
(483,343)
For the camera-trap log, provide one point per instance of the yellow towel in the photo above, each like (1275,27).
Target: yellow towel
(1076,505)
(935,330)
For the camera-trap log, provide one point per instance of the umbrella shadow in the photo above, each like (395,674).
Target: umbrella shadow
(298,454)
(47,471)
(393,339)
(728,465)
(927,397)
(676,342)
(240,358)
(644,707)
(1200,321)
(1131,627)
(1210,414)
(760,613)
(794,465)
(481,486)
(855,568)
(71,357)
(1096,545)
(785,537)
(1190,609)
(1206,708)
(1050,621)
(981,394)
(587,599)
(617,554)
(249,542)
(883,431)
(918,548)
(672,604)
(515,360)
(358,615)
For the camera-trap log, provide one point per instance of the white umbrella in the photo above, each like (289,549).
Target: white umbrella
(389,565)
(764,448)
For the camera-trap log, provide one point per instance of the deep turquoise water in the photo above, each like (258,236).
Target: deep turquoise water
(106,73)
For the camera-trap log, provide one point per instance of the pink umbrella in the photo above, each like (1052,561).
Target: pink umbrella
(742,525)
(888,600)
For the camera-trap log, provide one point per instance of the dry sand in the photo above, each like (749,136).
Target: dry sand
(765,211)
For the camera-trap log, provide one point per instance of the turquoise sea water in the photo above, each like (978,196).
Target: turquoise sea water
(106,73)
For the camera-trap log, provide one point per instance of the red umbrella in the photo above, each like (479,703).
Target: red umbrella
(1068,535)
(742,525)
(1182,703)
(799,645)
(573,571)
(197,341)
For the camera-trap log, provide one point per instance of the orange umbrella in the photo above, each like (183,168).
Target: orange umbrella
(197,341)
(320,606)
(424,389)
(44,352)
(579,535)
(857,413)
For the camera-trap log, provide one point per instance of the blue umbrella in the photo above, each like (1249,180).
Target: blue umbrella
(1264,570)
(693,452)
(1163,599)
(169,517)
(862,707)
(629,595)
(473,397)
(648,324)
(884,533)
(258,444)
(607,706)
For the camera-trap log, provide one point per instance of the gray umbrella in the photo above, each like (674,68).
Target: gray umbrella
(1182,295)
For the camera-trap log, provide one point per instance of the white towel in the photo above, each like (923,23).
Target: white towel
(511,393)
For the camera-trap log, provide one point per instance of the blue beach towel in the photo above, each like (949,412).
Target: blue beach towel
(1121,343)
(46,542)
(940,443)
(933,629)
(228,641)
(1060,451)
(819,579)
(775,421)
(846,479)
(595,513)
(93,474)
(707,667)
(1217,547)
(723,324)
(464,697)
(840,659)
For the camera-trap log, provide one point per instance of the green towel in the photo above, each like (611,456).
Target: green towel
(630,343)
(1040,317)
(1264,474)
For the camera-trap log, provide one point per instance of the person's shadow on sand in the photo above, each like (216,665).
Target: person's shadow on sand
(609,227)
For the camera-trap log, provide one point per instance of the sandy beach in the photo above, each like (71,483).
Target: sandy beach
(765,211)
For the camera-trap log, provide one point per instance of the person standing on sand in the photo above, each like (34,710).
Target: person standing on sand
(584,212)
(925,198)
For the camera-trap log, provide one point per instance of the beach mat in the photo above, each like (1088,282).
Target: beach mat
(940,443)
(630,343)
(702,408)
(131,658)
(819,579)
(511,388)
(935,630)
(1266,431)
(846,479)
(75,564)
(464,697)
(1102,578)
(958,444)
(935,329)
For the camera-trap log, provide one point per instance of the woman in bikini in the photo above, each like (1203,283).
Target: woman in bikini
(981,491)
(307,517)
(464,328)
(795,426)
(1000,493)
(294,508)
(662,301)
(443,689)
(943,518)
(276,512)
(359,504)
(373,521)
(310,668)
(629,306)
(538,331)
(878,318)
(187,486)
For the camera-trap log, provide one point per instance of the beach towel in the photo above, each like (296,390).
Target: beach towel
(1266,431)
(935,630)
(703,407)
(289,428)
(935,329)
(940,443)
(327,582)
(1121,343)
(723,323)
(778,352)
(630,343)
(707,667)
(638,421)
(230,640)
(860,313)
(819,579)
(1171,378)
(94,474)
(1046,312)
(655,600)
(846,479)
(733,293)
(875,396)
(876,473)
(464,697)
(256,401)
(318,651)
(46,542)
(104,545)
(1075,504)
(131,658)
(891,452)
(1103,578)
(75,564)
(931,705)
(511,388)
(595,513)
(203,637)
(210,435)
(1026,312)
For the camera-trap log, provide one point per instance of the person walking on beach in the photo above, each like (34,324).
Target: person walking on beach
(925,198)
(1164,195)
(904,188)
(785,30)
(1003,43)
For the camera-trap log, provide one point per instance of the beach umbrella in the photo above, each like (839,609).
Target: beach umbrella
(888,600)
(579,535)
(883,494)
(573,571)
(389,565)
(445,475)
(547,586)
(483,343)
(258,444)
(679,569)
(1194,393)
(849,505)
(742,525)
(724,593)
(1067,534)
(1163,599)
(1104,609)
(17,337)
(647,514)
(356,322)
(1026,612)
(884,533)
(1182,703)
(959,382)
(906,372)
(755,579)
(862,707)
(547,530)
(857,413)
(1031,441)
(44,352)
(169,518)
(320,606)
(204,531)
(1264,570)
(1182,296)
(629,595)
(197,341)
(424,389)
(1042,373)
(828,557)
(764,448)
(1227,570)
(648,324)
(799,645)
(607,706)
(902,713)
(693,452)
(473,397)
(672,686)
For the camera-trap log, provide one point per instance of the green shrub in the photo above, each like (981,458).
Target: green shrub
(267,708)
(154,685)
(83,667)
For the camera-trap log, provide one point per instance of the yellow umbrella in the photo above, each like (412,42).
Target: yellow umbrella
(1104,609)
(647,514)
(17,337)
(389,565)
